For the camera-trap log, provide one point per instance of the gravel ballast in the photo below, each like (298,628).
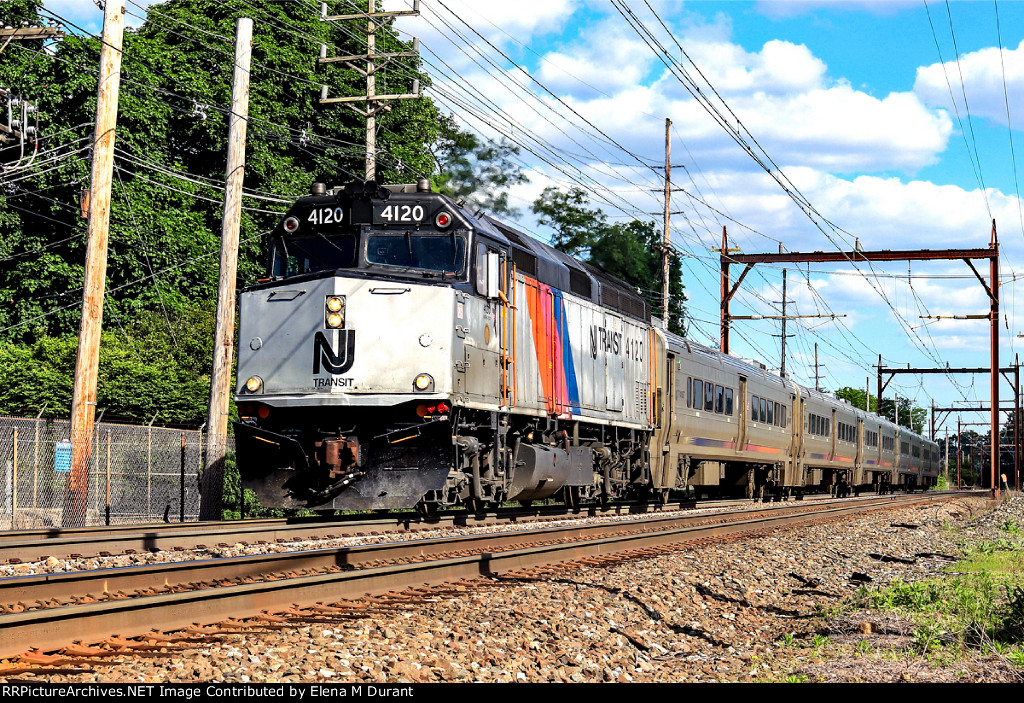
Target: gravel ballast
(741,610)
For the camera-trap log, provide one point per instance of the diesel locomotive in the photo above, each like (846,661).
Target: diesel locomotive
(403,351)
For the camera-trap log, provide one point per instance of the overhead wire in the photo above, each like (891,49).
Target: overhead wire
(738,132)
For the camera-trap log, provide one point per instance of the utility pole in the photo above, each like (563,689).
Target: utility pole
(959,450)
(727,318)
(223,347)
(1017,446)
(782,365)
(817,371)
(83,401)
(867,394)
(668,210)
(993,295)
(374,62)
(28,34)
(945,459)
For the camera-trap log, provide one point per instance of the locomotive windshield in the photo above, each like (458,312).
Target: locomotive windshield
(430,252)
(293,257)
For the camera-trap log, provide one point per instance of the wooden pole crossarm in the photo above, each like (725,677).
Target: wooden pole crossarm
(366,57)
(368,15)
(781,317)
(364,99)
(29,33)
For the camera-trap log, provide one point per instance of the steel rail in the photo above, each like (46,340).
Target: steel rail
(96,582)
(53,628)
(36,545)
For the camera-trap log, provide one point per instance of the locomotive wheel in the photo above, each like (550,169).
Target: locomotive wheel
(474,506)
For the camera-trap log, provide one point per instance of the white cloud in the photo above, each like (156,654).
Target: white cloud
(983,81)
(780,94)
(611,58)
(506,25)
(779,67)
(523,19)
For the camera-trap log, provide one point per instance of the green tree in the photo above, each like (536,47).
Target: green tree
(628,250)
(477,172)
(146,368)
(577,226)
(172,145)
(908,413)
(166,203)
(855,397)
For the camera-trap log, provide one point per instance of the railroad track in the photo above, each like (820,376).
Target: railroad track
(54,611)
(17,547)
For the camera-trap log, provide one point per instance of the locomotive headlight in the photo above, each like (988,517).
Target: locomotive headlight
(442,220)
(254,384)
(291,225)
(423,382)
(334,311)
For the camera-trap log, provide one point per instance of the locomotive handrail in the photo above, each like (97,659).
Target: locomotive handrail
(515,336)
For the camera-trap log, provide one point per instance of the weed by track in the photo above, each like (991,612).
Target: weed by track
(964,625)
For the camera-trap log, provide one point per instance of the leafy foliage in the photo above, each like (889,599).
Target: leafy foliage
(167,200)
(980,604)
(919,416)
(630,250)
(146,369)
(479,173)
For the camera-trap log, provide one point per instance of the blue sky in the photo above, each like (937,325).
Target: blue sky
(850,99)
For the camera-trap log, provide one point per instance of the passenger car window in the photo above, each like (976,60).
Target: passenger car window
(719,399)
(709,397)
(698,393)
(728,401)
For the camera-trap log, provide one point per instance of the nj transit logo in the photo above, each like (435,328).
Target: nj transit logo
(335,363)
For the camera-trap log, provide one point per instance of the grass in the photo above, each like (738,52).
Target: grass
(1010,527)
(978,605)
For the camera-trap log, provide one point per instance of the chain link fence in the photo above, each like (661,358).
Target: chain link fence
(136,474)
